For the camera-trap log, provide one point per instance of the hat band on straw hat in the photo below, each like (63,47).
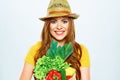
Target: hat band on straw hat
(57,12)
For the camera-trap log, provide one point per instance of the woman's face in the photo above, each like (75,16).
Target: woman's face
(59,28)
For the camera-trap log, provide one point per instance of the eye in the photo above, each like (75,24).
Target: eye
(53,21)
(65,21)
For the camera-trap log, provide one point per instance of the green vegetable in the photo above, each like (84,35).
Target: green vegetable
(45,64)
(63,74)
(53,60)
(63,51)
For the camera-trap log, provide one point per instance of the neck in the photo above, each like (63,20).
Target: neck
(61,43)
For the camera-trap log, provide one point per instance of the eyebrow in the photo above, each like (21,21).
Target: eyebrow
(53,19)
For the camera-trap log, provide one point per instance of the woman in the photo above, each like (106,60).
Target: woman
(59,26)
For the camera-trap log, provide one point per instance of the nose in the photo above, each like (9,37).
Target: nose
(59,26)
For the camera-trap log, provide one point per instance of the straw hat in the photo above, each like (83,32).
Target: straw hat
(58,8)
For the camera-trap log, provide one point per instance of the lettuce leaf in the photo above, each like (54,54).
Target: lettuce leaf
(45,64)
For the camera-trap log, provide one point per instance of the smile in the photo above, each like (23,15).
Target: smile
(59,32)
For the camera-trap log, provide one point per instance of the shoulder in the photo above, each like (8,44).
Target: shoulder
(37,44)
(32,52)
(83,48)
(34,48)
(85,59)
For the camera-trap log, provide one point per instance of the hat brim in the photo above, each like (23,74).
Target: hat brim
(74,16)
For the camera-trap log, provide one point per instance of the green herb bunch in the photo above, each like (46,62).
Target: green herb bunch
(53,60)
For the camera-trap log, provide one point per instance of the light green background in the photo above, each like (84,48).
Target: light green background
(98,28)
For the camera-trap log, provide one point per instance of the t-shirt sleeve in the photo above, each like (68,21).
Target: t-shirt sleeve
(31,54)
(85,59)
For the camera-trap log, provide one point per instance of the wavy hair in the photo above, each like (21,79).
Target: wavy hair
(74,58)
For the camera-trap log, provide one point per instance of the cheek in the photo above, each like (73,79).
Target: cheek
(67,28)
(51,29)
(52,26)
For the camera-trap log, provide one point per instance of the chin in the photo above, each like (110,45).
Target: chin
(59,39)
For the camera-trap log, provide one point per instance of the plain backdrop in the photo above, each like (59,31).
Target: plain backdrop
(98,28)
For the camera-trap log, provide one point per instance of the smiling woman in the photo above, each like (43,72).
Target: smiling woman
(57,47)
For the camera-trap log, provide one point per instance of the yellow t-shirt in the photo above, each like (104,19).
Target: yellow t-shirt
(85,61)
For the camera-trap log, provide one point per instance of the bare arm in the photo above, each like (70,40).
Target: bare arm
(26,72)
(85,73)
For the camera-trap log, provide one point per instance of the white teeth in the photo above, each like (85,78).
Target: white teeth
(59,32)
